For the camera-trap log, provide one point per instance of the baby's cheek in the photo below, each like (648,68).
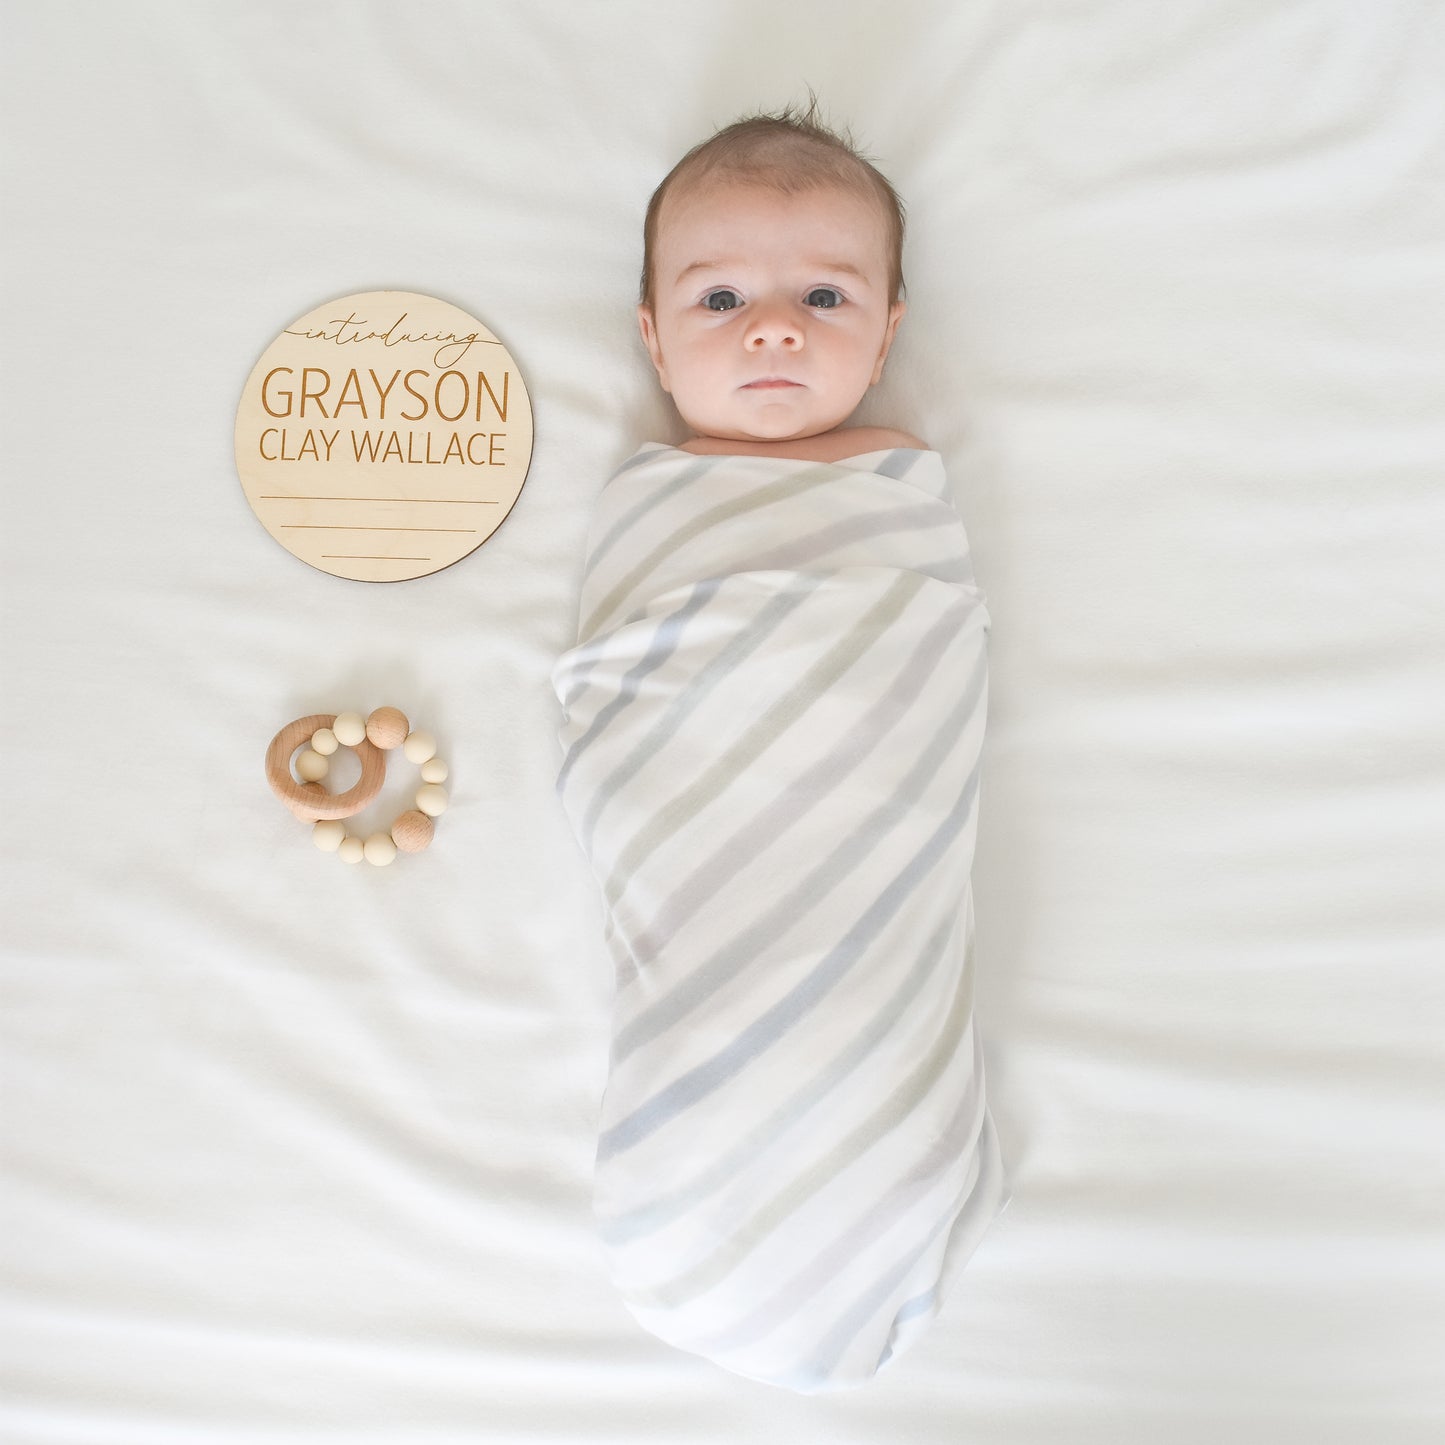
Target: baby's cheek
(699,389)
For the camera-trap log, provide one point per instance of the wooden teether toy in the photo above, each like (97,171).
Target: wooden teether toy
(372,737)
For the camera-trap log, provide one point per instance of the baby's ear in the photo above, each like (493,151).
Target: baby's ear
(895,315)
(648,327)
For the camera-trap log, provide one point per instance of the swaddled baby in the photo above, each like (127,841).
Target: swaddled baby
(771,729)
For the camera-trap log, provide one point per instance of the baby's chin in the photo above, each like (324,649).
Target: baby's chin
(762,428)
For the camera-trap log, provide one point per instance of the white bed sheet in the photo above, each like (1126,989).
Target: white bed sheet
(297,1153)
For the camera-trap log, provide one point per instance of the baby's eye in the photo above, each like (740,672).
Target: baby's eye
(823,296)
(723,300)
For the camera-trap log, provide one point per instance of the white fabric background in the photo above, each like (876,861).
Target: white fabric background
(295,1153)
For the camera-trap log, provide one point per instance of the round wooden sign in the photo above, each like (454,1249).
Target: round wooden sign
(383,436)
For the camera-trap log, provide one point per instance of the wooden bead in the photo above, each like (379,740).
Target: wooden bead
(349,728)
(387,727)
(434,771)
(324,741)
(311,767)
(328,834)
(352,850)
(379,849)
(419,746)
(412,832)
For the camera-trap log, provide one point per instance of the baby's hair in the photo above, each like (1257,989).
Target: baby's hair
(789,151)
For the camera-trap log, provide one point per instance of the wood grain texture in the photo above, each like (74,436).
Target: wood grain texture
(301,797)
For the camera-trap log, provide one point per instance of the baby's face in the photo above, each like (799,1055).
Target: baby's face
(771,311)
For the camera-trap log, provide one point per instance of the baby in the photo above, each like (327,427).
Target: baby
(771,284)
(772,721)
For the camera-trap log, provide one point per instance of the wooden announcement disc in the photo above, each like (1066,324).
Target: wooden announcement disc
(383,436)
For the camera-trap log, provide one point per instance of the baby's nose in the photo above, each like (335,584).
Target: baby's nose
(773,326)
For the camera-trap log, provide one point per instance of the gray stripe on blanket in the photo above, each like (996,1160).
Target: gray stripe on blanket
(690,699)
(971,1212)
(732,959)
(745,1238)
(955,1142)
(637,1223)
(662,645)
(760,832)
(914,519)
(830,1350)
(898,463)
(780,491)
(798,552)
(630,518)
(773,724)
(697,1083)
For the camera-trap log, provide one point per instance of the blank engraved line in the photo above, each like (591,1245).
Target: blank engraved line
(440,501)
(367,557)
(324,527)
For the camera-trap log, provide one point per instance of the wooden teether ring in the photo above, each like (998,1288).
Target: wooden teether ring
(302,798)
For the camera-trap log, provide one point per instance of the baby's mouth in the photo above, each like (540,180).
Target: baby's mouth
(764,383)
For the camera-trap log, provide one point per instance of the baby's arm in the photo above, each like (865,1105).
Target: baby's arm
(831,446)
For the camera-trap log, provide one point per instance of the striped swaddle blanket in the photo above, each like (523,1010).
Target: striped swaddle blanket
(771,730)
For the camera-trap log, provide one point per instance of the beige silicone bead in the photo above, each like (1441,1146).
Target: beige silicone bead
(352,850)
(419,746)
(323,741)
(379,849)
(386,727)
(431,799)
(434,771)
(328,833)
(311,767)
(412,832)
(349,728)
